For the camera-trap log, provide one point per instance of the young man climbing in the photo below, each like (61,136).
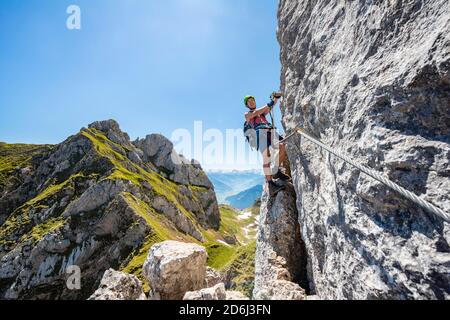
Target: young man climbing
(262,136)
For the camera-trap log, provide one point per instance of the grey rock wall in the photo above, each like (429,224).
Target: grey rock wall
(280,262)
(370,78)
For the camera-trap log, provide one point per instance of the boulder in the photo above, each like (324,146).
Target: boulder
(236,295)
(214,293)
(173,268)
(212,277)
(119,286)
(280,290)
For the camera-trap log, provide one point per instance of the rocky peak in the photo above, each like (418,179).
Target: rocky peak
(112,130)
(160,151)
(106,126)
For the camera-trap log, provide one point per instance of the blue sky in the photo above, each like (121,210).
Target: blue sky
(154,66)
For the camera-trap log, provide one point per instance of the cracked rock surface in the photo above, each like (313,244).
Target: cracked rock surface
(371,79)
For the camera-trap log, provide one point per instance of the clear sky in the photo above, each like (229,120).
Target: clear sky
(153,65)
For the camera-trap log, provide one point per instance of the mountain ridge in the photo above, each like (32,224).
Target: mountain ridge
(98,201)
(245,199)
(232,183)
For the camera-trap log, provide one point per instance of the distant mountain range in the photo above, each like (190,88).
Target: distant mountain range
(237,187)
(245,199)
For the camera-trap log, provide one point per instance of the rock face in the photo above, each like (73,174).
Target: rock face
(214,293)
(158,150)
(96,201)
(236,295)
(174,268)
(281,290)
(217,292)
(212,277)
(280,251)
(119,286)
(372,79)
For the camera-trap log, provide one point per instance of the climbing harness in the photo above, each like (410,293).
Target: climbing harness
(252,127)
(375,175)
(251,130)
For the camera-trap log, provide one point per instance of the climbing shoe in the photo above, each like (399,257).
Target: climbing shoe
(282,176)
(274,188)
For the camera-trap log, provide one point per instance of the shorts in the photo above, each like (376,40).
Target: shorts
(265,139)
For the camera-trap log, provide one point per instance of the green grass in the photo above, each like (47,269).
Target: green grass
(242,267)
(14,156)
(39,231)
(230,225)
(161,230)
(219,255)
(238,260)
(158,223)
(138,258)
(52,190)
(129,171)
(15,223)
(19,222)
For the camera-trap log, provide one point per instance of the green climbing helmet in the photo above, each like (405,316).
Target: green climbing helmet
(248,98)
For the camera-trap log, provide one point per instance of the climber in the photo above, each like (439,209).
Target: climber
(262,135)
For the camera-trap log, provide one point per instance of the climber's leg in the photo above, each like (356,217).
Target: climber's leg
(282,153)
(265,142)
(282,165)
(266,164)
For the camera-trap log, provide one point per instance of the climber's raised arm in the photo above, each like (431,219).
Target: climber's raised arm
(257,112)
(253,113)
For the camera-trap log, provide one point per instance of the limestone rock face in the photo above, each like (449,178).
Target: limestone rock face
(174,268)
(161,204)
(281,290)
(212,277)
(119,286)
(214,293)
(236,295)
(112,131)
(159,150)
(280,252)
(371,79)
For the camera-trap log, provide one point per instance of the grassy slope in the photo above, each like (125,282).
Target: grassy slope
(20,222)
(238,260)
(13,156)
(241,267)
(161,230)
